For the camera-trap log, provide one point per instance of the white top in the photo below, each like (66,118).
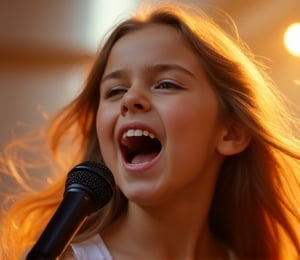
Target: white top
(95,248)
(90,249)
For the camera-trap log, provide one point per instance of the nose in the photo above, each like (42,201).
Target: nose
(135,100)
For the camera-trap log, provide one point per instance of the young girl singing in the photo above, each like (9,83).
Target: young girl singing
(204,154)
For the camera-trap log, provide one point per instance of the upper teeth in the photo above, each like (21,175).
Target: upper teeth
(137,132)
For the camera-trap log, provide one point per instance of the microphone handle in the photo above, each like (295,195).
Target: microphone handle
(64,224)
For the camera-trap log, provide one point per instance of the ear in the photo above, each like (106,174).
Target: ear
(234,139)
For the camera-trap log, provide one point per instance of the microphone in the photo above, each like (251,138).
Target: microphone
(89,187)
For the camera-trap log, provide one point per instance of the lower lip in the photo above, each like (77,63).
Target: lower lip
(141,167)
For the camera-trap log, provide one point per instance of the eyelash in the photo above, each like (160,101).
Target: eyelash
(169,84)
(115,92)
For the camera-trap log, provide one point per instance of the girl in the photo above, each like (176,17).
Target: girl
(199,142)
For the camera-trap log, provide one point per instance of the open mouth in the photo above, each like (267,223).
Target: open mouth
(139,146)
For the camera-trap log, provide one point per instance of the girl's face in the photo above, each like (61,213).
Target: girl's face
(158,120)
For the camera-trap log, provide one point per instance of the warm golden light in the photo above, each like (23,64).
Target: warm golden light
(292,39)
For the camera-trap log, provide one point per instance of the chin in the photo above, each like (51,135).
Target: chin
(145,196)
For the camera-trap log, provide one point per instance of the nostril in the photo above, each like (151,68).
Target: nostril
(124,109)
(134,107)
(139,106)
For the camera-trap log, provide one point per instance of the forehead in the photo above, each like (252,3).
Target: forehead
(154,43)
(151,34)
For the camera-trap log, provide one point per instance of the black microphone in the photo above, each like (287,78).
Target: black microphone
(89,187)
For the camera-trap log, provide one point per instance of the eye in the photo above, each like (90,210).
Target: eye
(166,84)
(115,92)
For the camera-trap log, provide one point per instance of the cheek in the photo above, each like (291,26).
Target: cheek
(184,116)
(192,126)
(105,126)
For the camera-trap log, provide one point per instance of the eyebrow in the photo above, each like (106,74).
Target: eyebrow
(113,75)
(155,68)
(169,67)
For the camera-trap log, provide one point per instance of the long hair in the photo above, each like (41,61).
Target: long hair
(255,209)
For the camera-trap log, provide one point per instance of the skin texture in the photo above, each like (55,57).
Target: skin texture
(154,81)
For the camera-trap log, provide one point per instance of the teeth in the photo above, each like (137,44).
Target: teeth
(137,132)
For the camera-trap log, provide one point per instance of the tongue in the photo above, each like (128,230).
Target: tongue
(143,157)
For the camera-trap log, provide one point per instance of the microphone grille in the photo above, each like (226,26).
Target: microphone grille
(92,178)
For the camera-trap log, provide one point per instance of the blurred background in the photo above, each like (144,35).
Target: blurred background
(46,48)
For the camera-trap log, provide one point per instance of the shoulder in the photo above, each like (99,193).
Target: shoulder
(91,248)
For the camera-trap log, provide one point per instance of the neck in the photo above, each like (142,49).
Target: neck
(175,230)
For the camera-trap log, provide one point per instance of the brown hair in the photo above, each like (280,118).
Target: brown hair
(255,210)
